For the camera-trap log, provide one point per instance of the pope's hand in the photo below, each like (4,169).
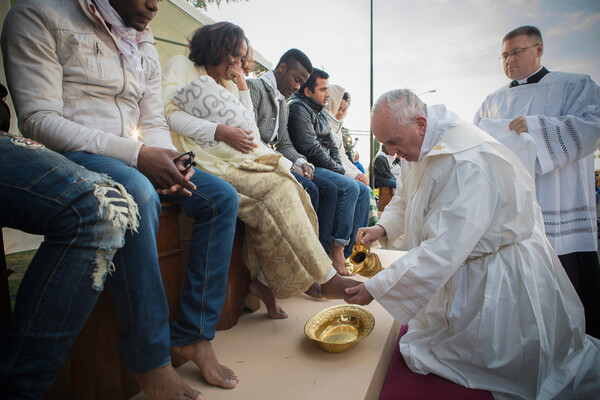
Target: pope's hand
(358,295)
(371,234)
(518,125)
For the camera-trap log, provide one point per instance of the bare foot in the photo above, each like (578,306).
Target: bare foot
(336,254)
(314,291)
(263,292)
(334,288)
(202,354)
(252,303)
(164,383)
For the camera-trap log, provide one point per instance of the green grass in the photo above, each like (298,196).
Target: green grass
(18,262)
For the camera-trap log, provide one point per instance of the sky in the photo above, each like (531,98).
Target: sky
(446,50)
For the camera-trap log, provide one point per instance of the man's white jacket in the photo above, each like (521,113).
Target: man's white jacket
(69,86)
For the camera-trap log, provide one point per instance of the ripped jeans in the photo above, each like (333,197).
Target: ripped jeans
(84,216)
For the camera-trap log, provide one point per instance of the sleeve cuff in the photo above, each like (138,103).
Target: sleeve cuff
(123,149)
(137,155)
(300,162)
(543,163)
(374,286)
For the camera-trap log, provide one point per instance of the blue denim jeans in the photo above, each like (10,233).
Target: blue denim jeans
(352,210)
(323,195)
(83,216)
(136,285)
(391,183)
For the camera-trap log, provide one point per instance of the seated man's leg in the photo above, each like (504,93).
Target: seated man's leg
(361,215)
(83,216)
(323,195)
(326,212)
(391,183)
(343,222)
(310,188)
(214,207)
(136,285)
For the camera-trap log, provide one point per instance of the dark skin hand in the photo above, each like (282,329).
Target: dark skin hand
(157,165)
(307,171)
(238,138)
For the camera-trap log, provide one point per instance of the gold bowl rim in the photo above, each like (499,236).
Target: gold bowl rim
(361,312)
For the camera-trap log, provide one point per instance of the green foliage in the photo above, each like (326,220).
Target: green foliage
(204,3)
(376,146)
(349,143)
(18,263)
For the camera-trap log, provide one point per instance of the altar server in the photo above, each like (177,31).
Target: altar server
(560,111)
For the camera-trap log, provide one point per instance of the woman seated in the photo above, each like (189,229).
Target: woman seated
(336,110)
(209,112)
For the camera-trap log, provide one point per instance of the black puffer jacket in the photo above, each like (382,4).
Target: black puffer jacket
(310,133)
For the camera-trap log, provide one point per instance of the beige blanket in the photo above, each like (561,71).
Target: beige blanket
(281,225)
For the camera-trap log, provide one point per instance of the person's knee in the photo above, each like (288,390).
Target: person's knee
(142,190)
(351,188)
(98,219)
(313,192)
(224,199)
(230,199)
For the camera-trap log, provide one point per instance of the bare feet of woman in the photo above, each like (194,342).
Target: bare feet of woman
(334,288)
(263,292)
(164,383)
(336,254)
(314,291)
(202,354)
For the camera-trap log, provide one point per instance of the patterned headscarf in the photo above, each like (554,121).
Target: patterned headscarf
(124,35)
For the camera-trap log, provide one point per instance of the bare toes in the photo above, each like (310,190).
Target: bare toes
(222,376)
(279,314)
(314,291)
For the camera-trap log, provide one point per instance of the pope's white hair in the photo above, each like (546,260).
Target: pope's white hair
(404,105)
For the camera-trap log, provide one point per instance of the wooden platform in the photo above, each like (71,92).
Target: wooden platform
(274,360)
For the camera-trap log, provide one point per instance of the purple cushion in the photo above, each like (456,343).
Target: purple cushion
(402,383)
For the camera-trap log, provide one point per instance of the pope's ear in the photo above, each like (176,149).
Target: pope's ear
(421,122)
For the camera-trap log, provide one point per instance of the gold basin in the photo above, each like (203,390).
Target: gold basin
(340,327)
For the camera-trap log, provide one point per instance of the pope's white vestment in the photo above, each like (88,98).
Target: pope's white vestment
(563,118)
(487,302)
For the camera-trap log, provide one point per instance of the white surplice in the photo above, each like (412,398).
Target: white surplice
(487,302)
(563,118)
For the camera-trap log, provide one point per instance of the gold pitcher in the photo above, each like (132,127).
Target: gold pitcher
(365,263)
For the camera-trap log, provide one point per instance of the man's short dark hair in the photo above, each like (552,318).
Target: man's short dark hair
(292,57)
(311,82)
(528,30)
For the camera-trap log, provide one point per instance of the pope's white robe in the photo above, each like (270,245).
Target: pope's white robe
(563,118)
(487,302)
